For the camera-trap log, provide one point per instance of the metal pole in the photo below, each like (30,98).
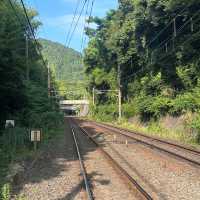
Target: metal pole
(93,96)
(119,92)
(192,25)
(27,64)
(175,33)
(49,81)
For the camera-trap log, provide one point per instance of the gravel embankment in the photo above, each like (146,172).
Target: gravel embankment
(106,183)
(163,176)
(56,175)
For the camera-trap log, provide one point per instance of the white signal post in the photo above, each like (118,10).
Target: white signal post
(49,81)
(93,96)
(119,92)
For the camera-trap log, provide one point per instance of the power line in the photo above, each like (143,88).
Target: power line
(84,26)
(37,7)
(181,12)
(36,46)
(80,14)
(15,12)
(165,42)
(92,6)
(74,16)
(179,31)
(32,31)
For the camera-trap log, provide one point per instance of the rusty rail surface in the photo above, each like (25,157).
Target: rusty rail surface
(131,181)
(83,170)
(124,133)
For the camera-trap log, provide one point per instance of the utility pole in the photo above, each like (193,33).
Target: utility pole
(49,81)
(119,93)
(27,63)
(93,96)
(175,32)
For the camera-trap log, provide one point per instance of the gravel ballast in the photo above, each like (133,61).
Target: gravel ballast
(56,174)
(162,176)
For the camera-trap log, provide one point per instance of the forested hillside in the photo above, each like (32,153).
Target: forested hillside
(66,63)
(66,67)
(156,44)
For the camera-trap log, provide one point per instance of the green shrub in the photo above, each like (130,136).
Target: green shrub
(183,103)
(195,125)
(47,119)
(5,192)
(108,112)
(153,107)
(129,109)
(51,119)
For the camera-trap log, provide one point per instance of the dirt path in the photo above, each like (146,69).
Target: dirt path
(56,175)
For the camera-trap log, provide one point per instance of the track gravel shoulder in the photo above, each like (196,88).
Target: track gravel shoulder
(105,181)
(56,175)
(163,176)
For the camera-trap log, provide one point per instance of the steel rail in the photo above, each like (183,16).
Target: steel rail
(152,138)
(117,131)
(115,164)
(83,170)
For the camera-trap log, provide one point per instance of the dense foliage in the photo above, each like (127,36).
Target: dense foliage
(157,44)
(20,96)
(23,86)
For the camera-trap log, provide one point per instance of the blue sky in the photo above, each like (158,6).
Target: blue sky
(56,17)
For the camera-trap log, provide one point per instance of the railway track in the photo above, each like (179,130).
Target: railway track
(133,184)
(191,156)
(82,167)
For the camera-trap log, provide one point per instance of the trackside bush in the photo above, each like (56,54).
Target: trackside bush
(48,120)
(129,109)
(195,124)
(5,192)
(106,112)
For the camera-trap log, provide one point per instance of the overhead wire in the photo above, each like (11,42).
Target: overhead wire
(76,24)
(72,22)
(166,41)
(37,7)
(32,31)
(179,30)
(84,26)
(13,8)
(90,15)
(161,31)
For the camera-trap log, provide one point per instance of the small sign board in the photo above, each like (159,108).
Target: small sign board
(10,123)
(35,135)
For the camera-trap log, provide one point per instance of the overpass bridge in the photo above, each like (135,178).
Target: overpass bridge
(75,107)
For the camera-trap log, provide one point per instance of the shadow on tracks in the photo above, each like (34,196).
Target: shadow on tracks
(56,161)
(99,137)
(93,177)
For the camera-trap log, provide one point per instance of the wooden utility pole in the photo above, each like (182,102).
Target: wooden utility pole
(49,81)
(93,96)
(119,93)
(27,63)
